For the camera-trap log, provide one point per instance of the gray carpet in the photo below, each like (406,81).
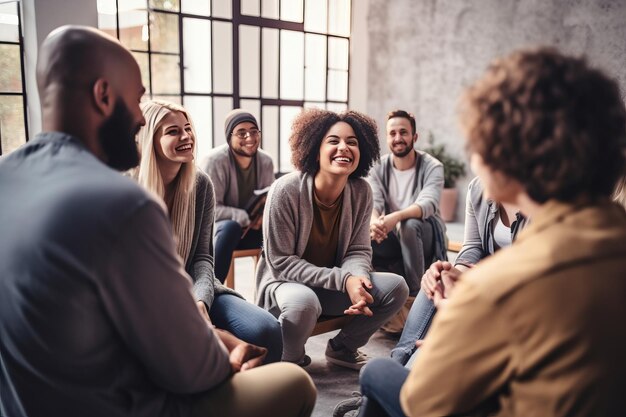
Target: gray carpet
(333,382)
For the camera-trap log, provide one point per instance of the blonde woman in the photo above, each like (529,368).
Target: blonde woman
(167,143)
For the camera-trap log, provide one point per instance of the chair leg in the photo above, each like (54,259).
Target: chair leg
(230,277)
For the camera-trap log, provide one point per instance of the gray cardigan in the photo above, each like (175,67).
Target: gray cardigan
(200,261)
(287,225)
(220,166)
(426,187)
(479,225)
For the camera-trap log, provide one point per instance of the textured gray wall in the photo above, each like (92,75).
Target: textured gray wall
(423,52)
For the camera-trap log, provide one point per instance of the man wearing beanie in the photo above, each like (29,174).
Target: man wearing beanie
(237,168)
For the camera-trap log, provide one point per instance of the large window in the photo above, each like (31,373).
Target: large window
(270,57)
(13,128)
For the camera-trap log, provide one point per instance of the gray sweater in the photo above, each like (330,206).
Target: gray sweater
(479,225)
(287,225)
(220,165)
(200,261)
(96,312)
(426,188)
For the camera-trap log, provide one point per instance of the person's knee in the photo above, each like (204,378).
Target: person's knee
(415,226)
(395,289)
(227,228)
(299,382)
(372,375)
(306,304)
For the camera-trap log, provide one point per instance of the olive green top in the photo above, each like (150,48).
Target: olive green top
(321,249)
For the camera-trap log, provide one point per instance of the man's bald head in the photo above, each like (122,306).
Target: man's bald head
(90,87)
(74,56)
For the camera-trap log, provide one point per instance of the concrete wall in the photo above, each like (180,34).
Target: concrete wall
(421,53)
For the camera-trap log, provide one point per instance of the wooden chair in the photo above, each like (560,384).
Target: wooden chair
(242,253)
(454,246)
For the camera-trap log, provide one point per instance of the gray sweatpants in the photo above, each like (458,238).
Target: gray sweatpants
(299,307)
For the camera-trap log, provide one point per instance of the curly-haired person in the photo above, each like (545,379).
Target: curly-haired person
(317,253)
(537,328)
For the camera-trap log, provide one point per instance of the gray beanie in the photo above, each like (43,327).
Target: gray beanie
(234,118)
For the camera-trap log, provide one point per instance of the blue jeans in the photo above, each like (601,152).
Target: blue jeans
(415,328)
(381,380)
(227,238)
(249,323)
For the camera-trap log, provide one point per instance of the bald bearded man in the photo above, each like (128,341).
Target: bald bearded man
(96,312)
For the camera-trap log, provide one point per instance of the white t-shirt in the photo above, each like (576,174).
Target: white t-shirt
(401,188)
(501,235)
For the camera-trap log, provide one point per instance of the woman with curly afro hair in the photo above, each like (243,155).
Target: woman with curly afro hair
(317,252)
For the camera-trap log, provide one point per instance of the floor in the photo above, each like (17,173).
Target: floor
(333,383)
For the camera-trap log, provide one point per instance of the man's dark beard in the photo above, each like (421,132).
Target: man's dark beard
(242,153)
(404,153)
(117,138)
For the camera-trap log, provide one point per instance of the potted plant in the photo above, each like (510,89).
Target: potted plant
(453,169)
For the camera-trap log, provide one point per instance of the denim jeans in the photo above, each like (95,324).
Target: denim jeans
(249,323)
(228,238)
(381,380)
(415,328)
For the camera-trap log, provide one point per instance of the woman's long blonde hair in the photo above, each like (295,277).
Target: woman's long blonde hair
(182,213)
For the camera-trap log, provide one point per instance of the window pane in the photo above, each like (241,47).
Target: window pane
(269,9)
(221,106)
(315,17)
(291,65)
(171,99)
(199,7)
(164,32)
(338,53)
(201,110)
(287,114)
(222,58)
(291,10)
(270,132)
(133,27)
(339,17)
(249,61)
(107,17)
(338,85)
(337,107)
(314,105)
(142,60)
(165,74)
(10,69)
(172,5)
(9,23)
(197,64)
(222,8)
(315,72)
(270,63)
(250,7)
(12,134)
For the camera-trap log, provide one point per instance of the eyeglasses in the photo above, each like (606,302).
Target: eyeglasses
(242,134)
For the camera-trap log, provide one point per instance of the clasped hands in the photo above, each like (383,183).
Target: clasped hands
(242,355)
(438,282)
(356,288)
(381,226)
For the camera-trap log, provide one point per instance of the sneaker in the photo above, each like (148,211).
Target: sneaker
(349,407)
(345,357)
